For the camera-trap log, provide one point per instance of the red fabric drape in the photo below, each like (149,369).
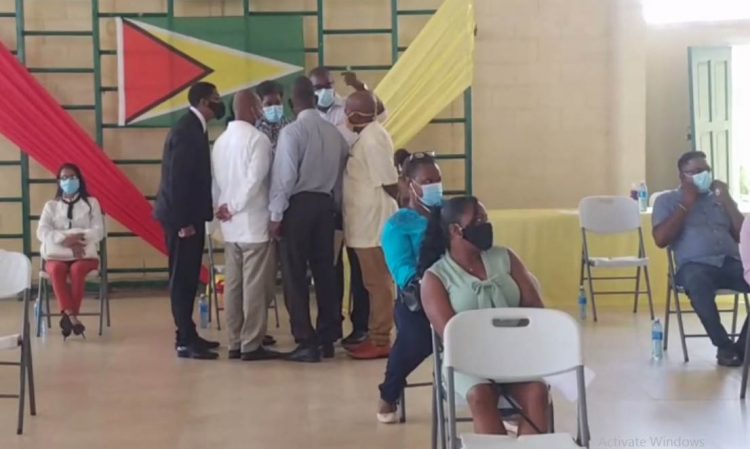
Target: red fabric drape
(36,123)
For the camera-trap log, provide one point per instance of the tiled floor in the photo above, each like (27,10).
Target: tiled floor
(128,390)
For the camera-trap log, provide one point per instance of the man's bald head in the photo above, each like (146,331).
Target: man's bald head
(361,109)
(247,106)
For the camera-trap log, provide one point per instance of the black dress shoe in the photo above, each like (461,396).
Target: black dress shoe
(206,344)
(355,338)
(195,352)
(268,340)
(728,357)
(261,354)
(326,349)
(234,354)
(304,353)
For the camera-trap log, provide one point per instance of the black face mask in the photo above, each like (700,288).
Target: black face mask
(479,235)
(218,108)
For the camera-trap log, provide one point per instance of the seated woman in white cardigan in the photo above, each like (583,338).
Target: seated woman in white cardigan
(70,228)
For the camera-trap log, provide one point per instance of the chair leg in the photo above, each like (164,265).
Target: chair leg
(681,326)
(276,310)
(637,289)
(648,290)
(22,387)
(46,305)
(39,313)
(735,309)
(102,306)
(667,315)
(402,406)
(591,291)
(30,376)
(434,428)
(745,369)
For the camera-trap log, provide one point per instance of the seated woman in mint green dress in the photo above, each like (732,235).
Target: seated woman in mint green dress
(464,271)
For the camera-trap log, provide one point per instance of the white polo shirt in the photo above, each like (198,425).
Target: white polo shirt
(366,204)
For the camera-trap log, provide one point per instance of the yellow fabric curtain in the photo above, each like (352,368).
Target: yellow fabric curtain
(436,68)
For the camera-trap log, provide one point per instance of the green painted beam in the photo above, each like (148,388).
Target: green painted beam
(8,15)
(358,68)
(107,52)
(76,33)
(112,15)
(41,181)
(350,31)
(448,120)
(416,12)
(11,236)
(10,163)
(321,39)
(137,161)
(450,156)
(283,13)
(78,107)
(468,141)
(394,31)
(11,199)
(61,70)
(120,234)
(25,188)
(109,89)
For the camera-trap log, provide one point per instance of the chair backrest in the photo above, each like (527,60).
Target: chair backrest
(15,273)
(609,214)
(512,344)
(655,195)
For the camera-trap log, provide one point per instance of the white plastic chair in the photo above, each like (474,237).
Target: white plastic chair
(545,342)
(212,227)
(611,215)
(15,278)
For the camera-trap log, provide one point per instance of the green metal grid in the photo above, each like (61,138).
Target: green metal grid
(94,33)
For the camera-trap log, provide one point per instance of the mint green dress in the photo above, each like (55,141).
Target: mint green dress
(467,292)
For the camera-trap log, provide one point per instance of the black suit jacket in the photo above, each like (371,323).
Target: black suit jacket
(184,196)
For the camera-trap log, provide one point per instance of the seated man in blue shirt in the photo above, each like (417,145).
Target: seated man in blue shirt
(701,223)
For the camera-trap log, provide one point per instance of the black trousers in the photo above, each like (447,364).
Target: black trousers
(185,259)
(360,311)
(307,241)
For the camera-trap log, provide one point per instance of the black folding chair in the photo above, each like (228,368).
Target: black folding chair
(673,288)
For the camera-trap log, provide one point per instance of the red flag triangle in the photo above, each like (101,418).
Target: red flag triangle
(169,70)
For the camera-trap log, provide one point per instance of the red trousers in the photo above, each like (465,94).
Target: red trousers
(70,296)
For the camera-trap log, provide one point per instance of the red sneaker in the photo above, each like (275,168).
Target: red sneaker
(368,351)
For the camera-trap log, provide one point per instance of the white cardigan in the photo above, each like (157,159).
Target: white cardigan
(54,224)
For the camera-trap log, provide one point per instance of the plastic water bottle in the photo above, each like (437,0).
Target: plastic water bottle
(657,341)
(38,317)
(582,303)
(203,309)
(643,196)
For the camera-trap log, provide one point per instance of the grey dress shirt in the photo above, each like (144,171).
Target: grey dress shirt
(707,234)
(310,157)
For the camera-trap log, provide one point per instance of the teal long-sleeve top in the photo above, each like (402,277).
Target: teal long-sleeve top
(402,238)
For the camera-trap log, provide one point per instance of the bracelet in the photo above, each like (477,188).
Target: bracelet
(682,206)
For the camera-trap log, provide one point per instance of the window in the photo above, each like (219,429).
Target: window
(660,12)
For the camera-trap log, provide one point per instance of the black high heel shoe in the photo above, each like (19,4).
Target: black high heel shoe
(66,326)
(79,329)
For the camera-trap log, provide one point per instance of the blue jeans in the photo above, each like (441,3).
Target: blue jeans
(701,283)
(413,344)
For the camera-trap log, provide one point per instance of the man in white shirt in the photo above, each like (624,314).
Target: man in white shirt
(370,190)
(241,162)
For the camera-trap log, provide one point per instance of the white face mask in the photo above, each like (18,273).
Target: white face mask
(326,97)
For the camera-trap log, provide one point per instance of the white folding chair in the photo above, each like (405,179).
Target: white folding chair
(545,343)
(100,275)
(611,215)
(745,369)
(215,269)
(15,278)
(674,289)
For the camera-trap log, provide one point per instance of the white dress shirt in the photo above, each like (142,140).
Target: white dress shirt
(241,163)
(200,117)
(367,206)
(56,223)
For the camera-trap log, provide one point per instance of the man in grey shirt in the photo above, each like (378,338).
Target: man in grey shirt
(305,195)
(701,223)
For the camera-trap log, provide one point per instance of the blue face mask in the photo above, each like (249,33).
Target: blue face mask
(432,194)
(70,186)
(703,181)
(325,97)
(274,113)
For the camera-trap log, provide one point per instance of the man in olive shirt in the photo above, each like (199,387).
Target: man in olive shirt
(701,223)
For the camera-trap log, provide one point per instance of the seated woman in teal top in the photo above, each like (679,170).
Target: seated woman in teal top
(464,271)
(421,188)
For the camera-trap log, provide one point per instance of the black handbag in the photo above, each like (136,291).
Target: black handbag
(410,295)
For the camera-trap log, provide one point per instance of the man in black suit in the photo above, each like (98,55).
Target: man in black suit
(183,206)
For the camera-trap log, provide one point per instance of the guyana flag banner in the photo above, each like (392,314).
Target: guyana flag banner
(160,58)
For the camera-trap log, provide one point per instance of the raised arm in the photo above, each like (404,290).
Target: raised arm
(669,215)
